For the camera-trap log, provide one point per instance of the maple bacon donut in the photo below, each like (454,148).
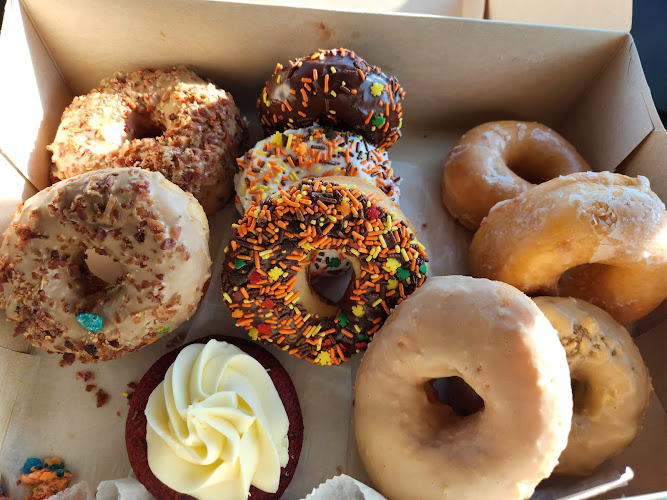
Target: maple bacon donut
(596,236)
(610,382)
(168,120)
(337,89)
(155,232)
(497,161)
(265,279)
(494,338)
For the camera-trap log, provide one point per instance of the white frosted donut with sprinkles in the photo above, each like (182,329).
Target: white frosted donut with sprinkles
(282,159)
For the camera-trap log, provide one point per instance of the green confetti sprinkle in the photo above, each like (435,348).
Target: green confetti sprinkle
(423,268)
(403,273)
(163,330)
(239,263)
(378,121)
(363,338)
(342,319)
(334,262)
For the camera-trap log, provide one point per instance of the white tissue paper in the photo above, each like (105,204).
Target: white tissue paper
(343,488)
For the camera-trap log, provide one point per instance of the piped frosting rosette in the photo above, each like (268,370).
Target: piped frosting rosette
(216,425)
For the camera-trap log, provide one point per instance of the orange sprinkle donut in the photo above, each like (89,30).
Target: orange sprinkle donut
(265,278)
(156,232)
(494,338)
(610,382)
(598,236)
(499,160)
(168,120)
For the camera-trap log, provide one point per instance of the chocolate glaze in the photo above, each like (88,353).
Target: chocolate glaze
(337,89)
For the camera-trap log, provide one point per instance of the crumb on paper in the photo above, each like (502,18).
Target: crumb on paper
(339,470)
(118,414)
(177,340)
(424,225)
(102,397)
(90,387)
(44,479)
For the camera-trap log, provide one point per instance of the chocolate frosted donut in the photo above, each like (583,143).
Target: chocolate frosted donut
(337,89)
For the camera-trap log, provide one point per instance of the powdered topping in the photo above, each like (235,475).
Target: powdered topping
(277,239)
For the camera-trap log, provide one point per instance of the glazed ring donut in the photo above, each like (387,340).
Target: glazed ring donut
(285,158)
(265,279)
(156,232)
(594,235)
(337,89)
(494,338)
(168,120)
(497,161)
(610,382)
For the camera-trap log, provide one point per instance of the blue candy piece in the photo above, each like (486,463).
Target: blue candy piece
(30,463)
(91,322)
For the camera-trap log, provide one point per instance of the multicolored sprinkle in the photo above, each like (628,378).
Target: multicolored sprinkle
(44,478)
(277,240)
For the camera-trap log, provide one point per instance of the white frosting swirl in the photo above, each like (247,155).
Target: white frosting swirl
(216,425)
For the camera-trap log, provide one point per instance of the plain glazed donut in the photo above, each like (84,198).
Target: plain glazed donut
(156,232)
(597,236)
(337,89)
(497,161)
(494,338)
(610,382)
(168,120)
(265,278)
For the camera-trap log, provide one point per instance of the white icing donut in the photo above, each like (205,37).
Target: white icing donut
(194,130)
(156,232)
(495,339)
(610,382)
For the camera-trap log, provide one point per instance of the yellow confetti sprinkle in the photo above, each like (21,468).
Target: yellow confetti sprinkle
(277,139)
(358,311)
(253,332)
(377,89)
(323,359)
(392,284)
(391,265)
(275,273)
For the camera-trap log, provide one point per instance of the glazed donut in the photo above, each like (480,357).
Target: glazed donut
(337,89)
(265,279)
(168,120)
(157,233)
(497,161)
(494,338)
(610,382)
(597,236)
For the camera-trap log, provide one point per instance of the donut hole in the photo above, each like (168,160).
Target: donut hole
(102,266)
(580,394)
(455,393)
(332,288)
(142,126)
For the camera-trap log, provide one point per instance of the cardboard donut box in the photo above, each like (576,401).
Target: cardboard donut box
(586,83)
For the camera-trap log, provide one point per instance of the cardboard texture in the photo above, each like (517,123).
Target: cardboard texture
(598,14)
(457,73)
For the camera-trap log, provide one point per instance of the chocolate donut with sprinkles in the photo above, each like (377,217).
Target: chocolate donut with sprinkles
(265,278)
(335,88)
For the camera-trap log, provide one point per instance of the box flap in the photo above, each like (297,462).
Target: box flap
(598,14)
(14,188)
(623,105)
(36,96)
